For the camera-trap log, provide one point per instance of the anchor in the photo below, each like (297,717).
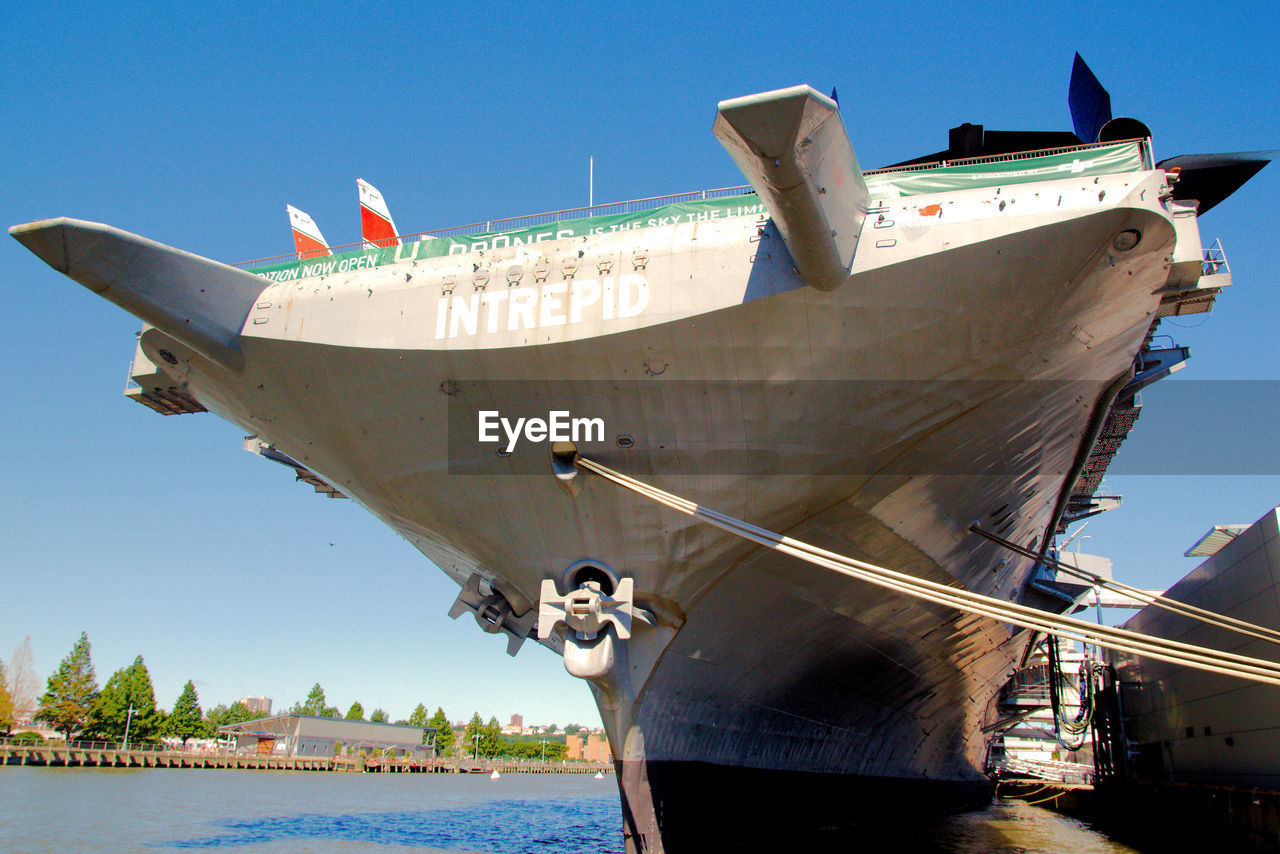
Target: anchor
(594,620)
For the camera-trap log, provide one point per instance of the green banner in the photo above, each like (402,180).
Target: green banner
(436,247)
(1121,157)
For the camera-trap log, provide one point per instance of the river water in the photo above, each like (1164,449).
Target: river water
(92,809)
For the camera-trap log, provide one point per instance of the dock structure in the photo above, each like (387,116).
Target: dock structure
(110,755)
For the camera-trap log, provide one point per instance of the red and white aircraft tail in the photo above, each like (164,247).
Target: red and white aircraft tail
(307,238)
(375,219)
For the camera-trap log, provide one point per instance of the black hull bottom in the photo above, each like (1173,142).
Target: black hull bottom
(683,807)
(1180,817)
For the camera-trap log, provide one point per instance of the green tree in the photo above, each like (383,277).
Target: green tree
(419,716)
(491,743)
(186,720)
(6,705)
(445,737)
(571,729)
(221,715)
(356,712)
(379,716)
(315,704)
(129,687)
(240,713)
(70,691)
(553,750)
(214,718)
(472,735)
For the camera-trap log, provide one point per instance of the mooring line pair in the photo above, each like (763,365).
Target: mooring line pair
(1122,640)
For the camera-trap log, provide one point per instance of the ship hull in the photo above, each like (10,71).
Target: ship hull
(723,808)
(974,402)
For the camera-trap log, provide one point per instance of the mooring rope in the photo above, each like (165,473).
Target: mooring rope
(1222,621)
(1122,640)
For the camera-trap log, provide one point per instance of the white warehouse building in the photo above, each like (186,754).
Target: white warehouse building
(311,735)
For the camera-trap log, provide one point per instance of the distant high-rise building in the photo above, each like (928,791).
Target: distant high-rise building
(517,721)
(257,705)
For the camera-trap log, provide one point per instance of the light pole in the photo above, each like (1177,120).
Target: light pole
(128,719)
(1097,593)
(476,753)
(544,751)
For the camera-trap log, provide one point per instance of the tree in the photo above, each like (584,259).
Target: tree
(21,679)
(356,712)
(6,705)
(379,716)
(445,738)
(129,687)
(239,713)
(214,718)
(552,750)
(70,691)
(220,716)
(186,719)
(491,743)
(419,716)
(314,704)
(571,729)
(472,734)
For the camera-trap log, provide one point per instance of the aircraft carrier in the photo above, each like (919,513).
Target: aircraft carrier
(866,361)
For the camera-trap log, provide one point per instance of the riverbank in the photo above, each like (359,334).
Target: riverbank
(110,755)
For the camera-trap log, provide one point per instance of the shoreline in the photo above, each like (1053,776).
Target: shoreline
(112,756)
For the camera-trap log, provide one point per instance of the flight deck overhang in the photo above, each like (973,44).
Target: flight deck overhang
(792,146)
(198,302)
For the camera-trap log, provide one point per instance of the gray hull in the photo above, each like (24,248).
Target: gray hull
(1202,729)
(979,398)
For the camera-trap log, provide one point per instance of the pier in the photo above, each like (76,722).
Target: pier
(112,755)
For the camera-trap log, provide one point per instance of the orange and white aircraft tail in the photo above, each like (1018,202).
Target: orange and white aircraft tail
(307,238)
(375,219)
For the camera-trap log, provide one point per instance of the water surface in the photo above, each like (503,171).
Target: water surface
(180,810)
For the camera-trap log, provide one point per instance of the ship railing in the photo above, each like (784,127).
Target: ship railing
(640,205)
(1215,260)
(1047,769)
(529,221)
(129,382)
(1030,692)
(81,744)
(1143,144)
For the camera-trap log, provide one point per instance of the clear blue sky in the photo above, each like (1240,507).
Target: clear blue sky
(194,124)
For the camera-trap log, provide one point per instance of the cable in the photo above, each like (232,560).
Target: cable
(1163,602)
(1070,734)
(1123,640)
